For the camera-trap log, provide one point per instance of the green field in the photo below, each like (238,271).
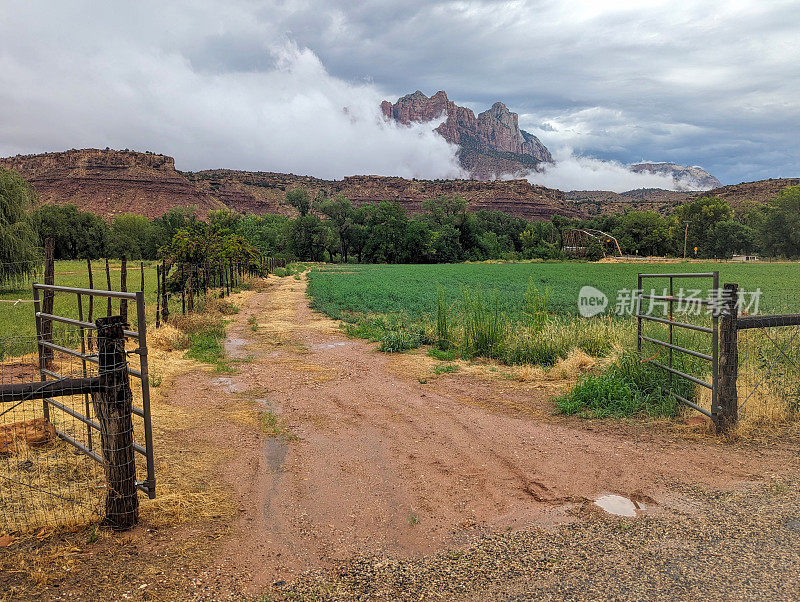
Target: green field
(17,325)
(341,290)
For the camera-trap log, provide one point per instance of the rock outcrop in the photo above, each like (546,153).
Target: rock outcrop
(491,144)
(108,182)
(264,192)
(761,191)
(686,178)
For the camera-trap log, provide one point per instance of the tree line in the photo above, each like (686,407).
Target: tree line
(334,229)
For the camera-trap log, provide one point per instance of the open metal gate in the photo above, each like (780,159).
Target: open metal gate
(669,302)
(47,348)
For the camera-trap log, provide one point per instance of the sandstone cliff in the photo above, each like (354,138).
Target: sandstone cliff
(761,191)
(264,192)
(108,182)
(491,144)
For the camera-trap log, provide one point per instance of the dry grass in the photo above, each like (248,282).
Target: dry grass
(190,506)
(168,338)
(576,363)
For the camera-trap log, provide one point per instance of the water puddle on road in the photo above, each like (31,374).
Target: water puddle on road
(235,347)
(619,506)
(228,385)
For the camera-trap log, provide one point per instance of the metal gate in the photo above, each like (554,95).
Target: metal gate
(47,349)
(669,302)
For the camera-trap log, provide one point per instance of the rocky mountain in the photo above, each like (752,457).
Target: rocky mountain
(108,182)
(686,178)
(759,192)
(490,144)
(597,202)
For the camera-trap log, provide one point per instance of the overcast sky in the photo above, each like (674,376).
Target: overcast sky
(294,85)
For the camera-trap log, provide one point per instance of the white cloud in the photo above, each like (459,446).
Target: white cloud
(292,117)
(573,172)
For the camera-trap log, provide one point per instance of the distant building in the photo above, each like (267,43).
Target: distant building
(744,258)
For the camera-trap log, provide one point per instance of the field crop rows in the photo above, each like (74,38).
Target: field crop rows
(340,291)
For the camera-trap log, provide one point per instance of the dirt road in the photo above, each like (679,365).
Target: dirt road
(367,459)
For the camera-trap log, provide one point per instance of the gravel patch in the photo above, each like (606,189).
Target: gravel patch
(742,545)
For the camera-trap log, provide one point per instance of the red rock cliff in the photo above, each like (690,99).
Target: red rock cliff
(491,144)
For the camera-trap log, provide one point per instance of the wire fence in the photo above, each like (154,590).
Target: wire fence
(44,481)
(769,372)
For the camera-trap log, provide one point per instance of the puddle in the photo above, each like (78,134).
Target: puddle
(275,451)
(333,345)
(234,347)
(619,506)
(227,384)
(793,525)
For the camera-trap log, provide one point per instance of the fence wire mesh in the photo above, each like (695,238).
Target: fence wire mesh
(45,481)
(769,373)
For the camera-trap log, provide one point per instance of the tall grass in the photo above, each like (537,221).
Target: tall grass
(485,325)
(628,387)
(442,320)
(481,325)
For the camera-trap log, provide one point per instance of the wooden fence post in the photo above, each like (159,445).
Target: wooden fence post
(158,295)
(123,286)
(190,291)
(108,286)
(727,395)
(164,298)
(90,318)
(113,408)
(47,302)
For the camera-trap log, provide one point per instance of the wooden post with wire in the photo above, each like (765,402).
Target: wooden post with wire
(114,409)
(89,336)
(108,286)
(727,393)
(47,302)
(123,286)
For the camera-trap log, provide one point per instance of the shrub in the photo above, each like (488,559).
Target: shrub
(626,388)
(484,325)
(396,341)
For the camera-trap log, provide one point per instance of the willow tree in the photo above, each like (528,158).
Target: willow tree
(20,255)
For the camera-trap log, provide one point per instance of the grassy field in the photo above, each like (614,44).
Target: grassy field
(338,291)
(527,314)
(17,325)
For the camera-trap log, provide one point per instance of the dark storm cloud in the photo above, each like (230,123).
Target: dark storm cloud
(710,83)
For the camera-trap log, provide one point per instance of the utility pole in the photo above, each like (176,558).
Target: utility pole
(685,238)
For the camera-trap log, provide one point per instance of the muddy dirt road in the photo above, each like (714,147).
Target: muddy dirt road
(364,458)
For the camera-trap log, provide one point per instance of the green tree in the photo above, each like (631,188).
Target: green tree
(645,233)
(76,234)
(300,200)
(339,211)
(19,254)
(702,215)
(307,238)
(781,228)
(387,230)
(132,236)
(731,237)
(223,220)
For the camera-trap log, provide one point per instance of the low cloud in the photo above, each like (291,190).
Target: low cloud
(574,172)
(290,117)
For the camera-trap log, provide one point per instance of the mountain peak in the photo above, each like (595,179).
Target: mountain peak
(491,144)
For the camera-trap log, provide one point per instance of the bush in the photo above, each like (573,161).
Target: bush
(396,341)
(626,388)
